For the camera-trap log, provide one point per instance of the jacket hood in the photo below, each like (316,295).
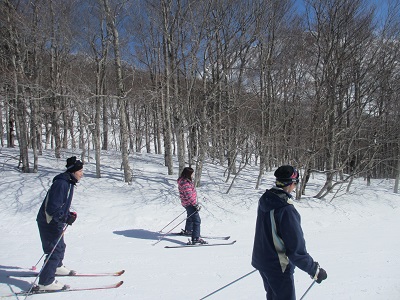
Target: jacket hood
(274,198)
(67,177)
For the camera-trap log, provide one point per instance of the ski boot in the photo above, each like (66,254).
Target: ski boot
(64,271)
(54,286)
(185,232)
(196,241)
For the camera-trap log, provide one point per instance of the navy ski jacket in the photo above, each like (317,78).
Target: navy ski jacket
(56,205)
(279,243)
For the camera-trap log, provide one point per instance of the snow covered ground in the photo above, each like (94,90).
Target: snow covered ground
(354,237)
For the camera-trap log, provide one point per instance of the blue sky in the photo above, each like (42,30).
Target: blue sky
(381,6)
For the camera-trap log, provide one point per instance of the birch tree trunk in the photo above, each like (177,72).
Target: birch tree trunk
(35,123)
(100,58)
(54,80)
(263,122)
(105,124)
(397,180)
(19,95)
(2,110)
(124,133)
(166,103)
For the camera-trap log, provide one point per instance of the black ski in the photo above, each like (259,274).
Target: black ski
(201,245)
(216,237)
(34,274)
(203,236)
(37,292)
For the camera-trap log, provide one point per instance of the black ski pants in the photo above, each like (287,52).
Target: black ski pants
(49,235)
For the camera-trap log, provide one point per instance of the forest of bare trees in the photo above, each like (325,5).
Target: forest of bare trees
(235,82)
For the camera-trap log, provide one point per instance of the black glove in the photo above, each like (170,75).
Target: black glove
(72,217)
(321,275)
(197,207)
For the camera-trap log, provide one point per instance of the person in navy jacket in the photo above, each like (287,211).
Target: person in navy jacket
(279,244)
(52,218)
(188,196)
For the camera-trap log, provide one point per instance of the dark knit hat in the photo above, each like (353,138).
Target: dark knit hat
(286,175)
(73,164)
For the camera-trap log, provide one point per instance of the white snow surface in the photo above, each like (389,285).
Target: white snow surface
(354,236)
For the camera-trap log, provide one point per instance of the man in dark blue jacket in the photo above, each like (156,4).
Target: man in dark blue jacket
(52,218)
(279,243)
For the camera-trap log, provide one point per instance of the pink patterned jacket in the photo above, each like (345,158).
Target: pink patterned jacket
(187,192)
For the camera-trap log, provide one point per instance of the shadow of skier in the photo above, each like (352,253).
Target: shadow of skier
(147,235)
(6,277)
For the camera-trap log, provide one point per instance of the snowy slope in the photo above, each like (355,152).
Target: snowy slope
(354,236)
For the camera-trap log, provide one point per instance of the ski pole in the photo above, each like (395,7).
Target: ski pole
(165,234)
(172,221)
(236,280)
(309,288)
(34,267)
(47,260)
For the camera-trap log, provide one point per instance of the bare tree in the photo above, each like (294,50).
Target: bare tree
(166,84)
(337,24)
(15,44)
(98,38)
(272,21)
(233,81)
(124,132)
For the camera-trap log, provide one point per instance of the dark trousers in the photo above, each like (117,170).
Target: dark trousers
(49,235)
(193,221)
(279,286)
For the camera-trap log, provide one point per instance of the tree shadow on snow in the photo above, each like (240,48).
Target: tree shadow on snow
(147,235)
(11,282)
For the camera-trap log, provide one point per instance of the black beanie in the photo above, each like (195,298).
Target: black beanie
(73,164)
(286,175)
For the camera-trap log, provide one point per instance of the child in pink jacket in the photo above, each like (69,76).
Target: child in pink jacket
(188,195)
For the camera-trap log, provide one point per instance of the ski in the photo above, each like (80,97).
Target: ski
(201,245)
(216,237)
(204,237)
(37,292)
(34,274)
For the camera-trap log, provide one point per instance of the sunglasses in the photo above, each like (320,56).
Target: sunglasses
(295,176)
